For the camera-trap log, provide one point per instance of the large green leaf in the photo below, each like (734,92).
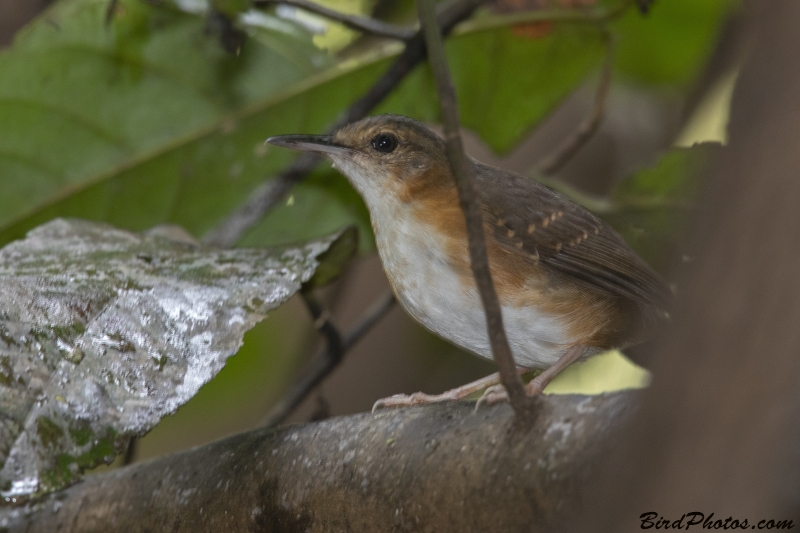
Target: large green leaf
(80,102)
(672,42)
(103,332)
(191,171)
(505,83)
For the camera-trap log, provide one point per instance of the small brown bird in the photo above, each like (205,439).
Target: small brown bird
(569,285)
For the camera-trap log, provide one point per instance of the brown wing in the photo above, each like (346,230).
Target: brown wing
(561,235)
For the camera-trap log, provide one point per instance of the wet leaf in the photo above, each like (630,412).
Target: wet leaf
(104,332)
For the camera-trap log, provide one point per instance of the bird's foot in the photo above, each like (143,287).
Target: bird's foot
(419,398)
(408,400)
(497,393)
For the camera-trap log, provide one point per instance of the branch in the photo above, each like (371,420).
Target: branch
(570,146)
(438,468)
(334,352)
(470,204)
(323,324)
(596,15)
(371,316)
(111,11)
(602,205)
(265,197)
(355,22)
(131,451)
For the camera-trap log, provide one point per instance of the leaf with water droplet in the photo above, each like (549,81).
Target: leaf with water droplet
(104,332)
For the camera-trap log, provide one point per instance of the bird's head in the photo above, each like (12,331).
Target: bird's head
(378,154)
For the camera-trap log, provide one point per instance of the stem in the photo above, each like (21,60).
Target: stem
(467,194)
(566,15)
(570,146)
(355,22)
(337,347)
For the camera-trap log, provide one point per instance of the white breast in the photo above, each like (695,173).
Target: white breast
(430,290)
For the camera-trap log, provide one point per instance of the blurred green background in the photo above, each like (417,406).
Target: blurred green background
(156,111)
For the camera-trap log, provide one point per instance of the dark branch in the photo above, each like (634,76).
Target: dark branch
(371,316)
(570,146)
(404,469)
(470,204)
(602,205)
(334,352)
(265,197)
(111,11)
(596,15)
(323,324)
(131,451)
(355,22)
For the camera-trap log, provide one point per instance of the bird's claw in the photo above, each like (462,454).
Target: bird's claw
(497,393)
(408,400)
(492,395)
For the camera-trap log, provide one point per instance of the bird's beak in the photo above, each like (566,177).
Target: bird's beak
(308,143)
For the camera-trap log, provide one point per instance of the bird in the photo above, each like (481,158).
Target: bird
(569,285)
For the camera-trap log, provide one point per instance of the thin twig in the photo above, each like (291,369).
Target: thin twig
(326,362)
(595,15)
(355,22)
(131,451)
(323,324)
(369,318)
(111,10)
(570,146)
(269,194)
(608,206)
(262,199)
(463,174)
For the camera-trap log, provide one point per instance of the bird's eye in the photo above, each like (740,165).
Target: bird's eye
(384,143)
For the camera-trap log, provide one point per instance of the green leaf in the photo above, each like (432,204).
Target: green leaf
(651,207)
(104,332)
(672,42)
(80,102)
(505,83)
(185,145)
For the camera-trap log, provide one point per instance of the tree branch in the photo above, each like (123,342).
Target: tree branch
(111,11)
(470,204)
(438,468)
(355,22)
(327,361)
(371,316)
(570,146)
(232,228)
(603,205)
(596,15)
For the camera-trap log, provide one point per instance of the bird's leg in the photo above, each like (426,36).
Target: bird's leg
(497,393)
(420,398)
(537,384)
